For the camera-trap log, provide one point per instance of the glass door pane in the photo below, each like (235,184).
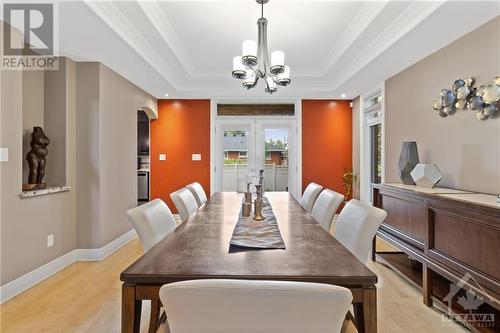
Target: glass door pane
(273,157)
(376,153)
(235,155)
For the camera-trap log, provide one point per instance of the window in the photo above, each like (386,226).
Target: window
(268,156)
(376,153)
(243,154)
(226,155)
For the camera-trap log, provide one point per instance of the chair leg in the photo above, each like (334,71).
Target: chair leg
(348,318)
(154,317)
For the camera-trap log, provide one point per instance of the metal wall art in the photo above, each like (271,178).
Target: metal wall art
(484,100)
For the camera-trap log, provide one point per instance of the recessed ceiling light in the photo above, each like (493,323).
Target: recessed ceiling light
(343,95)
(166,95)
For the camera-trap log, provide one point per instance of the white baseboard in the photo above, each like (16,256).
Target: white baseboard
(106,250)
(28,280)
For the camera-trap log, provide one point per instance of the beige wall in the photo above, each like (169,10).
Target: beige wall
(87,155)
(119,102)
(466,150)
(25,223)
(99,111)
(55,103)
(107,107)
(33,97)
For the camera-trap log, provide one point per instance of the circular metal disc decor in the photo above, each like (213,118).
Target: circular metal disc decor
(484,100)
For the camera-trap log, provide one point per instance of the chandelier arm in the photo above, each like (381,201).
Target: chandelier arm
(262,52)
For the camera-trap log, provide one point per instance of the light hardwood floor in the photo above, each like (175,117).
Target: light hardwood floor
(85,297)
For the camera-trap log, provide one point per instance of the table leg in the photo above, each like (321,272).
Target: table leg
(131,310)
(359,317)
(370,309)
(365,313)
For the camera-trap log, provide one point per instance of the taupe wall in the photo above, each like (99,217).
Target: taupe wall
(107,107)
(87,155)
(55,103)
(27,222)
(120,100)
(33,96)
(466,150)
(99,111)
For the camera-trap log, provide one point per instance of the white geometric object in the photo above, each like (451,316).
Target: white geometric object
(426,175)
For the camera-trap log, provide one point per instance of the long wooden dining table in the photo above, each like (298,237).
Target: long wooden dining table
(199,249)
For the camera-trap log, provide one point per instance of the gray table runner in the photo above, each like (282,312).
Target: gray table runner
(263,234)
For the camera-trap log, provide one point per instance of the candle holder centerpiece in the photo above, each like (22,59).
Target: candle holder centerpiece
(258,204)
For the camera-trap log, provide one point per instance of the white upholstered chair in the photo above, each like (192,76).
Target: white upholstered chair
(309,197)
(152,221)
(198,193)
(185,203)
(241,306)
(325,207)
(356,226)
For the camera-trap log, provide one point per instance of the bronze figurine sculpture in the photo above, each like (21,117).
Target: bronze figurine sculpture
(36,158)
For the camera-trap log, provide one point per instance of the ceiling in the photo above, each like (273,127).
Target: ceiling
(185,48)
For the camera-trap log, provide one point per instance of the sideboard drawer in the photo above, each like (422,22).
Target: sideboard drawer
(466,241)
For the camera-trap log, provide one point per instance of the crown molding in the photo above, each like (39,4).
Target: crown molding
(409,19)
(111,15)
(319,80)
(160,22)
(358,25)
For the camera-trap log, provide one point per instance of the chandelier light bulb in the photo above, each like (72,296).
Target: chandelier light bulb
(270,85)
(284,78)
(249,53)
(250,79)
(277,62)
(239,69)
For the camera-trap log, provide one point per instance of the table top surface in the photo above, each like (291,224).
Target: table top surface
(199,248)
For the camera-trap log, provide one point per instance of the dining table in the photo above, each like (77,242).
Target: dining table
(199,249)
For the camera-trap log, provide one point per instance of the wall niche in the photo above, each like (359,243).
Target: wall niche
(45,104)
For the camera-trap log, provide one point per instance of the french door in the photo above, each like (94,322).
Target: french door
(245,145)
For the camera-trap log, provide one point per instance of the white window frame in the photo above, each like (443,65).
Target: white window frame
(240,156)
(370,116)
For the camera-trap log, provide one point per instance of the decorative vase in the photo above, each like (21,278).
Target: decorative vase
(408,159)
(426,175)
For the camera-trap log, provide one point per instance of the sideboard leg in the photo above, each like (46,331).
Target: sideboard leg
(427,284)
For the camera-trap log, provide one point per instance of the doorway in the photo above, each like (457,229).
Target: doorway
(246,144)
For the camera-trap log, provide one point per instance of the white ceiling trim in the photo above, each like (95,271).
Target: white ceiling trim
(110,14)
(362,20)
(410,18)
(160,22)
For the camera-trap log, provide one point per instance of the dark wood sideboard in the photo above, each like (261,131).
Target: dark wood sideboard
(443,238)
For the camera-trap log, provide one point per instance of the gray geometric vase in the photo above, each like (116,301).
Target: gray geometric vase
(408,159)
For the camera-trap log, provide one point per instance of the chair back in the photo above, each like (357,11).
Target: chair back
(185,203)
(356,226)
(325,207)
(309,197)
(152,221)
(198,193)
(242,306)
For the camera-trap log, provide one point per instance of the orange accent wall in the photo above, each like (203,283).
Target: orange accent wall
(326,142)
(182,129)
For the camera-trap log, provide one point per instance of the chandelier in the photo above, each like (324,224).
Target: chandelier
(254,63)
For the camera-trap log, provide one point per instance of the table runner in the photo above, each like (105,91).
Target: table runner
(263,234)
